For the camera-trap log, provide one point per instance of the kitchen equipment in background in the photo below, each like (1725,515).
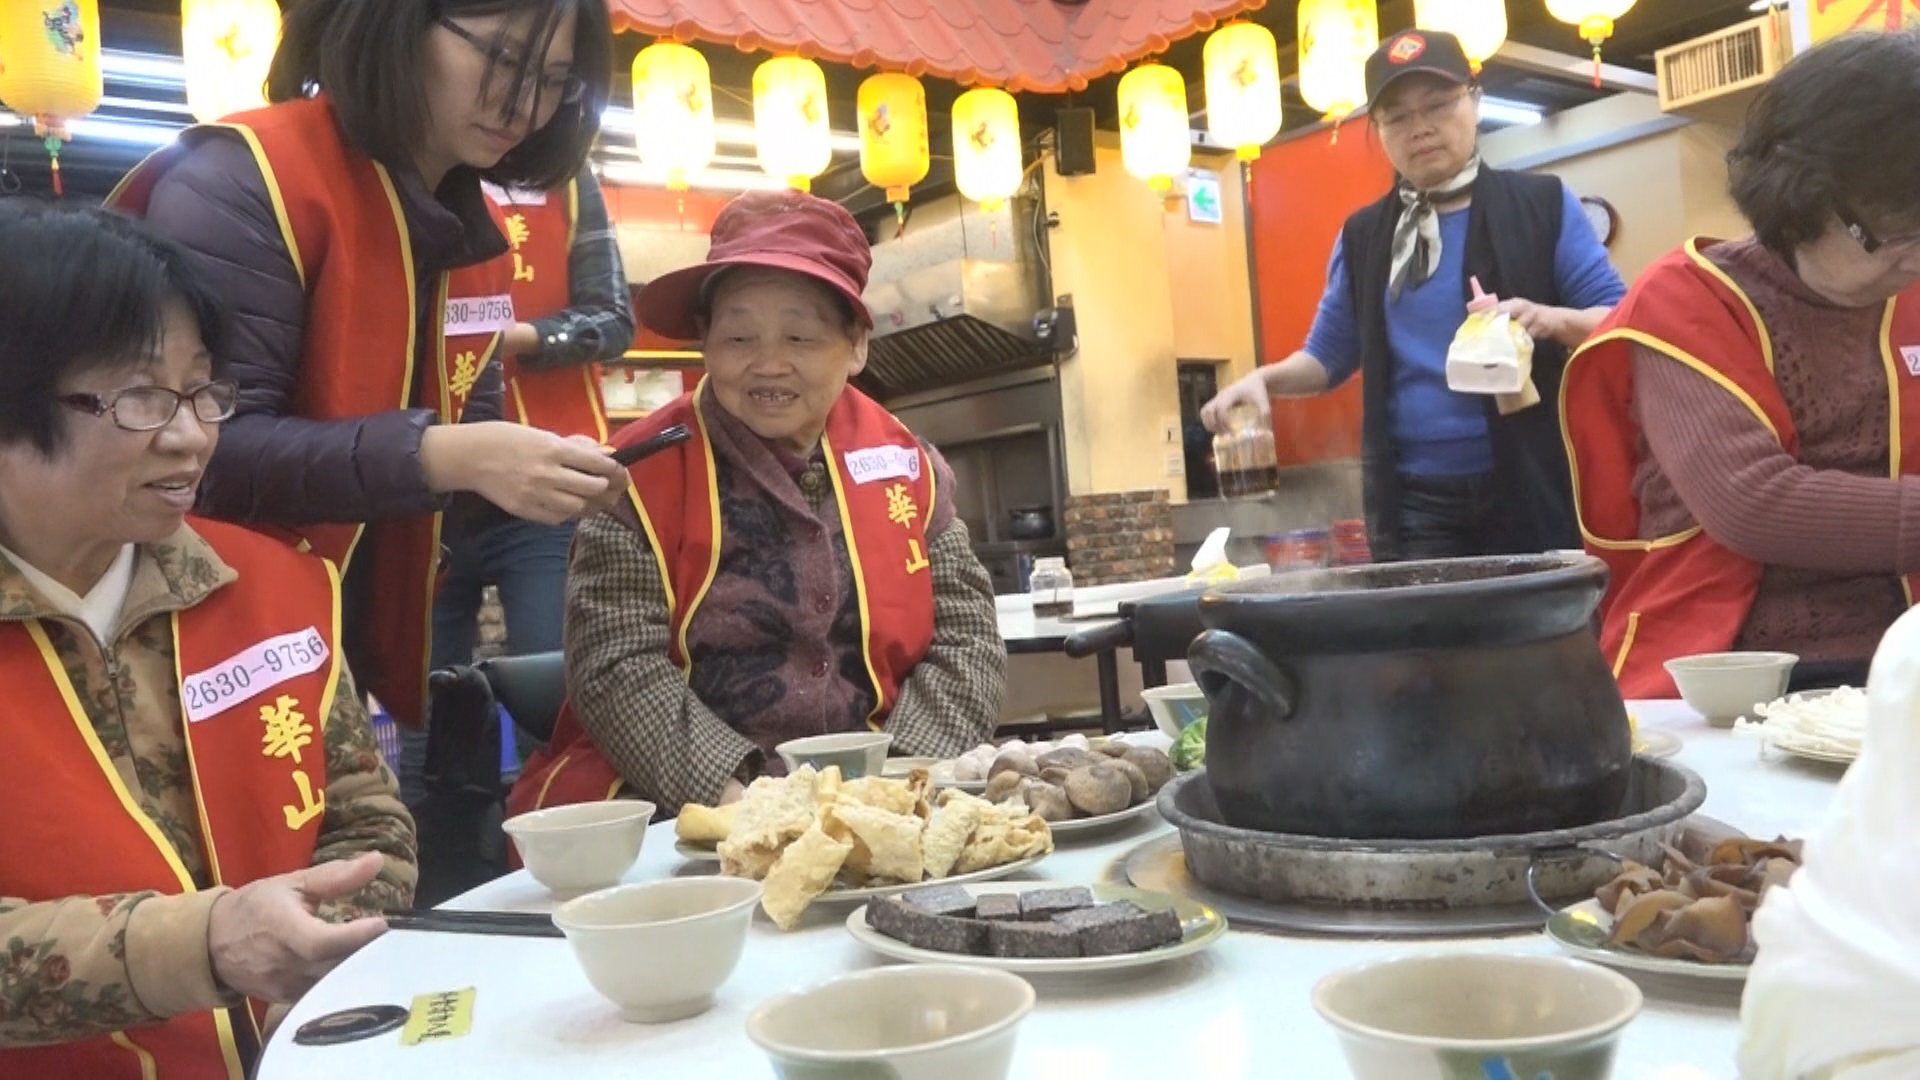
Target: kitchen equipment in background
(1030,522)
(1243,455)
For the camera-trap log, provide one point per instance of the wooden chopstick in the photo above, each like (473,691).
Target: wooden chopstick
(499,923)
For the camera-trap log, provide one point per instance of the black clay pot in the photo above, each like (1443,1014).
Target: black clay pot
(1030,522)
(1454,698)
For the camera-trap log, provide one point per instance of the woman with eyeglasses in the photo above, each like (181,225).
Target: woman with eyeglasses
(1743,427)
(198,822)
(346,225)
(1447,474)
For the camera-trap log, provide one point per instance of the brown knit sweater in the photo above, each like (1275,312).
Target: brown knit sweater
(1831,527)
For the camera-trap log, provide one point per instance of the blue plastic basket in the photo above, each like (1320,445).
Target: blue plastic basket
(386,735)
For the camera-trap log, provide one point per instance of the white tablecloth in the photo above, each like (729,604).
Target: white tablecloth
(1238,1010)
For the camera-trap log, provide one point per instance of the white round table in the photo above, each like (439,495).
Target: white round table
(1241,1009)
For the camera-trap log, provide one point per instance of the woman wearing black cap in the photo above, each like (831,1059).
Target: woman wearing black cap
(1447,474)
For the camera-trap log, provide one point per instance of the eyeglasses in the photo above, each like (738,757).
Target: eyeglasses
(1431,113)
(1865,237)
(571,88)
(150,408)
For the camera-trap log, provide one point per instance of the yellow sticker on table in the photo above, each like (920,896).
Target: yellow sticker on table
(1831,18)
(446,1015)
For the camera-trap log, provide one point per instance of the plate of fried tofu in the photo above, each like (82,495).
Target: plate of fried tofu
(1036,929)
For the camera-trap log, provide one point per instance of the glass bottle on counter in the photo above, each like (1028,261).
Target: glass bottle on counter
(1243,455)
(1052,588)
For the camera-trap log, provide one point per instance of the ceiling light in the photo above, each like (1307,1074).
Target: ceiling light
(147,69)
(1501,111)
(631,175)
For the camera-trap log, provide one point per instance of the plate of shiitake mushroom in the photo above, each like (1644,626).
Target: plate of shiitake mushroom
(1080,791)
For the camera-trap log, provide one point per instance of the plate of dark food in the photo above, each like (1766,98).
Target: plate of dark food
(1691,917)
(1036,930)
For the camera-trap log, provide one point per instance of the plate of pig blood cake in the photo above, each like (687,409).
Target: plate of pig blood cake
(1036,929)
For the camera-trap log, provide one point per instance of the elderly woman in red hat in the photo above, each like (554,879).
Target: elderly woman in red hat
(796,568)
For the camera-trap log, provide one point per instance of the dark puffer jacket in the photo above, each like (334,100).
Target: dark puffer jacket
(273,466)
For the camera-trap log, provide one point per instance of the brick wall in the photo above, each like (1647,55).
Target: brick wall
(1120,536)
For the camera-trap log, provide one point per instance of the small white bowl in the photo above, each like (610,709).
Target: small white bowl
(858,753)
(916,1022)
(660,950)
(581,847)
(1726,686)
(1175,706)
(1431,1016)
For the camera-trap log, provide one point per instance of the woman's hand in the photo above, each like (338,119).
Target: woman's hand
(1250,389)
(529,473)
(1542,323)
(265,941)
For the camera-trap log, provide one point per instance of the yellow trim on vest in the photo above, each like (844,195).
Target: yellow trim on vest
(193,767)
(439,358)
(573,211)
(859,583)
(332,691)
(659,553)
(713,511)
(80,722)
(1678,355)
(229,1047)
(413,299)
(1894,463)
(1766,339)
(520,404)
(589,374)
(1626,643)
(614,789)
(540,797)
(148,1069)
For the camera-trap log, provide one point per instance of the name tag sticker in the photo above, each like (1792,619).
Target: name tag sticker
(434,1017)
(883,463)
(252,671)
(1911,354)
(478,314)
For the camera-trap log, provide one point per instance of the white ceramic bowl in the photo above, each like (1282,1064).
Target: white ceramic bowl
(1439,1015)
(581,847)
(660,950)
(1726,686)
(858,753)
(1175,705)
(917,1022)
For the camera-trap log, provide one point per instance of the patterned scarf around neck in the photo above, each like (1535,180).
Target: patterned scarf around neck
(1416,236)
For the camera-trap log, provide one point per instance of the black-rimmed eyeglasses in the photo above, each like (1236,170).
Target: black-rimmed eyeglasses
(571,88)
(1865,237)
(150,408)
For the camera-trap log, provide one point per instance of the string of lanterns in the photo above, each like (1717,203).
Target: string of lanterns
(52,74)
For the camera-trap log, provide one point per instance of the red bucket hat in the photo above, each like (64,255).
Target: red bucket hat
(784,230)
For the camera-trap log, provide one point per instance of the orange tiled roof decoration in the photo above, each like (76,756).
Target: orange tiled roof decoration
(1042,46)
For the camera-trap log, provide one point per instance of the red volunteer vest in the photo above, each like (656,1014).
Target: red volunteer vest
(565,401)
(1684,594)
(883,483)
(258,663)
(341,223)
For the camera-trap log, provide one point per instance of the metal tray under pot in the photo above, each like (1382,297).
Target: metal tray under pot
(1415,880)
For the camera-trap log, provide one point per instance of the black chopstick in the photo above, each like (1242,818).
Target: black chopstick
(673,436)
(499,923)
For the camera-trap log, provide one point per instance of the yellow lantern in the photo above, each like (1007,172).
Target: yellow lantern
(790,119)
(1154,139)
(986,146)
(893,133)
(1243,87)
(1336,37)
(226,47)
(1595,20)
(673,110)
(50,65)
(1481,25)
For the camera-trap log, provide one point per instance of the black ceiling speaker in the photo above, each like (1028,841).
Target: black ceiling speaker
(1073,141)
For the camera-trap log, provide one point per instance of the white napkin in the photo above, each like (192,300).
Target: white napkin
(1210,564)
(1835,989)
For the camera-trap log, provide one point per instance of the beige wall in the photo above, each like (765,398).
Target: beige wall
(1666,186)
(1149,287)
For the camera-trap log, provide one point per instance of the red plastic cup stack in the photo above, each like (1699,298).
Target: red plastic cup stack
(1301,549)
(1350,543)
